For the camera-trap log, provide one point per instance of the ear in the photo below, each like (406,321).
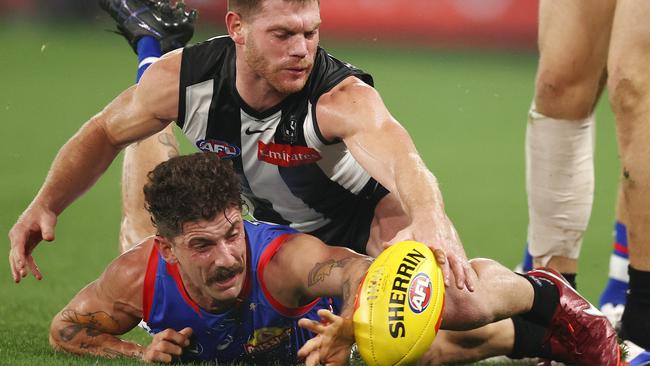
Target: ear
(165,249)
(235,27)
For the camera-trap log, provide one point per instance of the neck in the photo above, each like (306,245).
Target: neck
(254,89)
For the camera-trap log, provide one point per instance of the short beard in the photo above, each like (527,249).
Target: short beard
(260,65)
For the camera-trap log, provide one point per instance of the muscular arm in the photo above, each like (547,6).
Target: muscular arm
(107,307)
(138,112)
(305,268)
(355,113)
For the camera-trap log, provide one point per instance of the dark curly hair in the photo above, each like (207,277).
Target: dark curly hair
(189,188)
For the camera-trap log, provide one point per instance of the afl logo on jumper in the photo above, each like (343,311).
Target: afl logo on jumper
(223,149)
(420,292)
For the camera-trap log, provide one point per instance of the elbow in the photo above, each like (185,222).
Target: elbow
(55,331)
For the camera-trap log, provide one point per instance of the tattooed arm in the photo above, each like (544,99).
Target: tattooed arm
(111,306)
(305,268)
(107,307)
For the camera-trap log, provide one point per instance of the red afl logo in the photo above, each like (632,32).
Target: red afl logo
(420,292)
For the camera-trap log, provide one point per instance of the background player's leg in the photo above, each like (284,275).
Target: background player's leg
(629,89)
(573,43)
(139,159)
(612,300)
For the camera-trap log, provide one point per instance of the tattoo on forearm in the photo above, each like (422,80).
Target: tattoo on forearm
(346,291)
(115,353)
(168,140)
(93,323)
(322,270)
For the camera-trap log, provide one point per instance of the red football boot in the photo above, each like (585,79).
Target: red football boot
(579,334)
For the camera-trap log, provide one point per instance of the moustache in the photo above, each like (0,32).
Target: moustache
(305,64)
(222,273)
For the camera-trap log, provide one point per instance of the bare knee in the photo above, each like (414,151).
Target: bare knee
(465,310)
(565,93)
(626,96)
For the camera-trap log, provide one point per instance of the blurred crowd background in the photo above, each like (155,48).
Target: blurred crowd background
(441,23)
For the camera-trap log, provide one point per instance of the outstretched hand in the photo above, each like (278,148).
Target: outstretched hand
(447,249)
(34,225)
(332,343)
(167,345)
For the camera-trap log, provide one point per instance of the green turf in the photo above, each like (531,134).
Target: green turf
(465,110)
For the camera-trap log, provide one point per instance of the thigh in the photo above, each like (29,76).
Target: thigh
(139,159)
(631,29)
(575,34)
(573,43)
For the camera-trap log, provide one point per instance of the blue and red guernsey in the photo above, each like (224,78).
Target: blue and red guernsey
(258,330)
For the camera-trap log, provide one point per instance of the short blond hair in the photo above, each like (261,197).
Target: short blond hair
(247,7)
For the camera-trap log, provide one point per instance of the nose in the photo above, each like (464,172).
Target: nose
(299,46)
(225,257)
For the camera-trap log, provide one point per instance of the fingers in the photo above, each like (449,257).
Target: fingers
(166,345)
(157,356)
(470,276)
(187,332)
(13,264)
(47,224)
(311,325)
(313,359)
(441,259)
(32,227)
(309,347)
(176,338)
(18,239)
(457,271)
(33,268)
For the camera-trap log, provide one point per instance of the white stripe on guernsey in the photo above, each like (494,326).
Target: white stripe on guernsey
(337,163)
(198,98)
(147,61)
(265,180)
(618,268)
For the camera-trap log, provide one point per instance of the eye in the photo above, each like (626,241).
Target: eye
(201,248)
(311,35)
(233,235)
(281,35)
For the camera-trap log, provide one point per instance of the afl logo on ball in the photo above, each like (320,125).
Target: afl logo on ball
(223,149)
(420,292)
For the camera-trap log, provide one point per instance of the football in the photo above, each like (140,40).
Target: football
(399,305)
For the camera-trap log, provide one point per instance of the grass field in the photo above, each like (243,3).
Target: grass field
(466,111)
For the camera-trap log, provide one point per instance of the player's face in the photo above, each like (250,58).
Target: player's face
(212,254)
(281,43)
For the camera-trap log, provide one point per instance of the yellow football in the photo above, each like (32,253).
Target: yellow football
(399,305)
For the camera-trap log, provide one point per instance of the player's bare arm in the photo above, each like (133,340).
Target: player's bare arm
(355,113)
(107,307)
(325,271)
(111,306)
(136,113)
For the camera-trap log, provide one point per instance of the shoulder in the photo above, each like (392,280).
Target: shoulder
(203,61)
(347,107)
(123,279)
(350,90)
(159,85)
